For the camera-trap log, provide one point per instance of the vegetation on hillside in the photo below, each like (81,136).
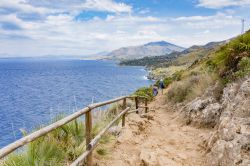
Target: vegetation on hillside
(230,62)
(150,61)
(145,92)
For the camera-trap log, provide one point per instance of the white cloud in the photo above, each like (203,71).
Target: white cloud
(62,34)
(216,4)
(218,21)
(106,5)
(23,6)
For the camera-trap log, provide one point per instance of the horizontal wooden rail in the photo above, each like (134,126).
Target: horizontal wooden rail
(94,142)
(45,130)
(90,143)
(134,96)
(96,105)
(140,106)
(41,132)
(132,111)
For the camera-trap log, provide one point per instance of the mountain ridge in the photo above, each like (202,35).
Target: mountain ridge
(149,49)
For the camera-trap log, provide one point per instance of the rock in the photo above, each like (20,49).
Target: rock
(204,113)
(148,158)
(199,104)
(125,135)
(210,115)
(147,116)
(229,145)
(115,130)
(131,160)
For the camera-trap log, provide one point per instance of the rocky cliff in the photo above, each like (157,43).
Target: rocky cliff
(229,143)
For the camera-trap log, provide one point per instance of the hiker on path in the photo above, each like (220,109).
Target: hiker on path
(155,90)
(161,85)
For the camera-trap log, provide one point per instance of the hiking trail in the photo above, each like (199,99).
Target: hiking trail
(159,138)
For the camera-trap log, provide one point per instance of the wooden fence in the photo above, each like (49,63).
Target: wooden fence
(90,143)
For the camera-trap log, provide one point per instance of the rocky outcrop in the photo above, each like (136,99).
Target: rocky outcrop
(229,144)
(202,112)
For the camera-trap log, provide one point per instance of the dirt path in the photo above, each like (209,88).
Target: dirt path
(160,139)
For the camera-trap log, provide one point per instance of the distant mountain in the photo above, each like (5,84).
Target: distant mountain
(146,50)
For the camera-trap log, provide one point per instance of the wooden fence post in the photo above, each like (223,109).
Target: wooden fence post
(136,104)
(88,125)
(123,108)
(146,105)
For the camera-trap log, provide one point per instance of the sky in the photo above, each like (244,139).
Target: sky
(85,27)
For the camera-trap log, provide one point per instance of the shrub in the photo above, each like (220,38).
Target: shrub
(59,147)
(243,67)
(167,81)
(177,75)
(189,88)
(102,151)
(226,60)
(178,91)
(56,148)
(145,92)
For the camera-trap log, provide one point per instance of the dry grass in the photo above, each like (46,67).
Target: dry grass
(190,87)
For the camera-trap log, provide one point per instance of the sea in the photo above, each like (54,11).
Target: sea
(35,91)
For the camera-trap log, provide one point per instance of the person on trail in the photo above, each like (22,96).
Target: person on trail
(155,90)
(161,85)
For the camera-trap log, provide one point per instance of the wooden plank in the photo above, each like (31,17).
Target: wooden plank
(93,143)
(140,106)
(132,111)
(93,106)
(81,158)
(136,104)
(88,125)
(39,133)
(134,96)
(124,116)
(43,131)
(98,137)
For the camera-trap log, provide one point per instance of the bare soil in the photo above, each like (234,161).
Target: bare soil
(160,139)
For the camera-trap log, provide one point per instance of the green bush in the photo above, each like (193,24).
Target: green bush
(59,147)
(167,81)
(177,75)
(226,61)
(243,67)
(56,148)
(145,92)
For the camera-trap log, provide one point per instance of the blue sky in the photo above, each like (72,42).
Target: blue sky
(84,27)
